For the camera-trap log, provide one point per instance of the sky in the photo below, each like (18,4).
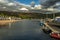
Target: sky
(28,2)
(17,4)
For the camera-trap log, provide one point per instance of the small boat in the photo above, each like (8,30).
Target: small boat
(46,30)
(55,35)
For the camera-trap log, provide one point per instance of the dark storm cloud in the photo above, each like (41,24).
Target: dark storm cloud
(48,3)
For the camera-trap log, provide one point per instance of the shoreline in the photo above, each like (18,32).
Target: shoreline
(4,22)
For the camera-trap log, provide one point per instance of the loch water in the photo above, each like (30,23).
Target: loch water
(23,30)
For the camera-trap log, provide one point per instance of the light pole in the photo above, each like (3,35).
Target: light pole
(53,15)
(53,12)
(47,14)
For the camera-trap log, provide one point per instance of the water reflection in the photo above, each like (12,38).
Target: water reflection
(24,30)
(3,26)
(10,25)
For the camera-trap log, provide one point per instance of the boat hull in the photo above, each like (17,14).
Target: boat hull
(55,35)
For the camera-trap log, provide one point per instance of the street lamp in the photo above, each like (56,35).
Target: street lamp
(53,15)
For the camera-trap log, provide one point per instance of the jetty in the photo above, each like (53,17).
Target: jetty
(54,29)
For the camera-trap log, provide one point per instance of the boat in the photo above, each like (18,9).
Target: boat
(46,29)
(55,35)
(55,24)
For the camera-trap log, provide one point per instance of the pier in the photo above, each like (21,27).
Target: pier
(52,28)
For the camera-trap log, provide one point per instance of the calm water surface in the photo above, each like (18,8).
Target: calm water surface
(24,30)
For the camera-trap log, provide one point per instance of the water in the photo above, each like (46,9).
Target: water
(24,30)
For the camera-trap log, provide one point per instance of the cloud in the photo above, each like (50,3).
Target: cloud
(11,5)
(3,1)
(48,3)
(4,7)
(57,4)
(38,6)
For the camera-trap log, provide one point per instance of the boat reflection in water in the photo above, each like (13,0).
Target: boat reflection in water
(24,30)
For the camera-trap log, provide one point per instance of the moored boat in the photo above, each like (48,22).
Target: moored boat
(46,29)
(55,35)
